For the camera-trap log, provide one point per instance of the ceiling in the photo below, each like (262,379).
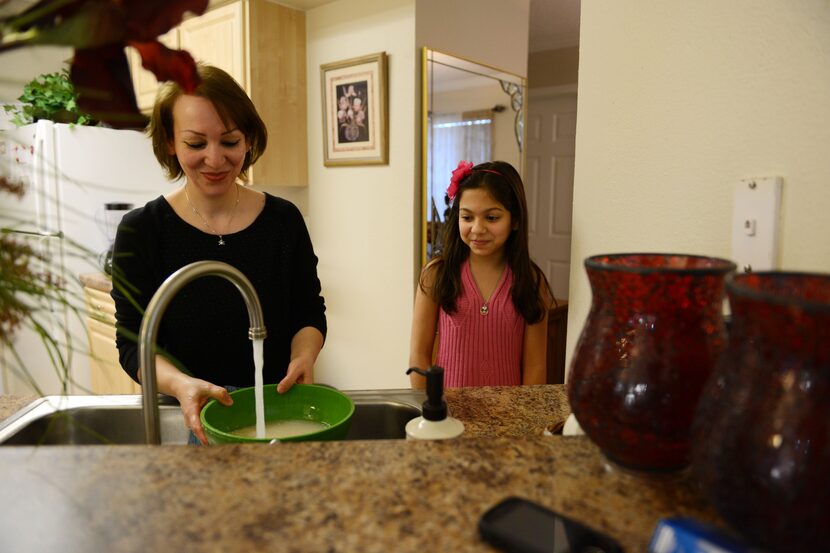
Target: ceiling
(553,23)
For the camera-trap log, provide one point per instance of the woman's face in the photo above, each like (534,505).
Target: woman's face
(483,222)
(211,154)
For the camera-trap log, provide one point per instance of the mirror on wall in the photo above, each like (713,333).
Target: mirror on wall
(470,111)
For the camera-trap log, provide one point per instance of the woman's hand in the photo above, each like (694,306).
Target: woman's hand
(305,347)
(300,369)
(193,394)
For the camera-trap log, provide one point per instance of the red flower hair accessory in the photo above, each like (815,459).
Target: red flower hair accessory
(459,174)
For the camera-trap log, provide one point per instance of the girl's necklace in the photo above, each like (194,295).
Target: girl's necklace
(205,221)
(484,309)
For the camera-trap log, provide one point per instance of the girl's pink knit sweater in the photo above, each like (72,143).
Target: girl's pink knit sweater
(481,350)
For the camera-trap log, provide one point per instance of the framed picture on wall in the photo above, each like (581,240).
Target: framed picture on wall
(355,116)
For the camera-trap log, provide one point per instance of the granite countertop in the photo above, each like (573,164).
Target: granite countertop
(384,495)
(11,404)
(97,281)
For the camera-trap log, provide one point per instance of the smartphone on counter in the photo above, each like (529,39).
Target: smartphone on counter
(518,525)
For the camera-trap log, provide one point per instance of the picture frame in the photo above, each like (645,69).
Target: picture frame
(355,111)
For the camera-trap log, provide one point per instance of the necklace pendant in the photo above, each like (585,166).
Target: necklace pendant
(484,309)
(221,242)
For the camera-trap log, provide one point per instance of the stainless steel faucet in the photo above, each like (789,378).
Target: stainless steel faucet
(148,332)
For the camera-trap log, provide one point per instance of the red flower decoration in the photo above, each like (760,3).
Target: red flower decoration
(459,174)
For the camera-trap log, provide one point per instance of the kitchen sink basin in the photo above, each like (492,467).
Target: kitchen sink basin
(117,419)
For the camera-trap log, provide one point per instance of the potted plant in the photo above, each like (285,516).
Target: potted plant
(50,96)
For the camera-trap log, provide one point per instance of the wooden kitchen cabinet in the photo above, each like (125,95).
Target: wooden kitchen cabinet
(106,374)
(261,44)
(218,37)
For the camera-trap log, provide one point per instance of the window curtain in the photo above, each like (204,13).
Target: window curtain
(453,137)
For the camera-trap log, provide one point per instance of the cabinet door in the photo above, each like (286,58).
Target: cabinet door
(144,82)
(218,38)
(106,373)
(107,376)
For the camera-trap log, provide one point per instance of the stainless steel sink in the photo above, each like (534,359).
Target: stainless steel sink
(90,420)
(383,414)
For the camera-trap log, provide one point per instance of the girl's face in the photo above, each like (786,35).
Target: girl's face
(483,222)
(211,154)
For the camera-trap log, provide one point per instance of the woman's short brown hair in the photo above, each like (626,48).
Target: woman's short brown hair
(230,101)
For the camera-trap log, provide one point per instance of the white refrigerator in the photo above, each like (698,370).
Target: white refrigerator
(69,174)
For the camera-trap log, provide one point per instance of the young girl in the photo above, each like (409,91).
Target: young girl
(487,299)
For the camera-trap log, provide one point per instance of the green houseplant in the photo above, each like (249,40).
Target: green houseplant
(50,96)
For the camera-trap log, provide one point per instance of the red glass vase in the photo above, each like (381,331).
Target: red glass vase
(652,336)
(762,430)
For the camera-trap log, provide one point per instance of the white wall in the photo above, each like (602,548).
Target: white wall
(19,67)
(678,101)
(362,219)
(490,32)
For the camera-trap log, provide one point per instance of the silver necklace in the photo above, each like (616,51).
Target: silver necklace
(205,221)
(485,309)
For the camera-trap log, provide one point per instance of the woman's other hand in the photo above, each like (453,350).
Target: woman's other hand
(193,394)
(301,369)
(305,347)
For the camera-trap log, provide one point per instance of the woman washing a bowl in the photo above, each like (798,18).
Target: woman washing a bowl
(211,138)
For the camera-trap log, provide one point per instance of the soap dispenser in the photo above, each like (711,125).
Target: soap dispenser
(433,424)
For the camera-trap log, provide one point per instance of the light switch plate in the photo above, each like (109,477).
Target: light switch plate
(755,220)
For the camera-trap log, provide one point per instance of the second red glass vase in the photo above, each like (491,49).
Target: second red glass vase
(761,438)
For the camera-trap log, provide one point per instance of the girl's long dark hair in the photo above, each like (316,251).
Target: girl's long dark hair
(502,181)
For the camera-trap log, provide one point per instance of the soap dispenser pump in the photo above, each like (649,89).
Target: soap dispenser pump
(433,424)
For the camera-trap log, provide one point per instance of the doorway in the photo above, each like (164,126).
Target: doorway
(549,179)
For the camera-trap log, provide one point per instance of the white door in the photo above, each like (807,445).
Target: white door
(549,179)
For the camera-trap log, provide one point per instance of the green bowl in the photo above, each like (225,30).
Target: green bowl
(302,402)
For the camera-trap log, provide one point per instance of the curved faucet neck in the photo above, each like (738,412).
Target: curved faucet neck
(152,319)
